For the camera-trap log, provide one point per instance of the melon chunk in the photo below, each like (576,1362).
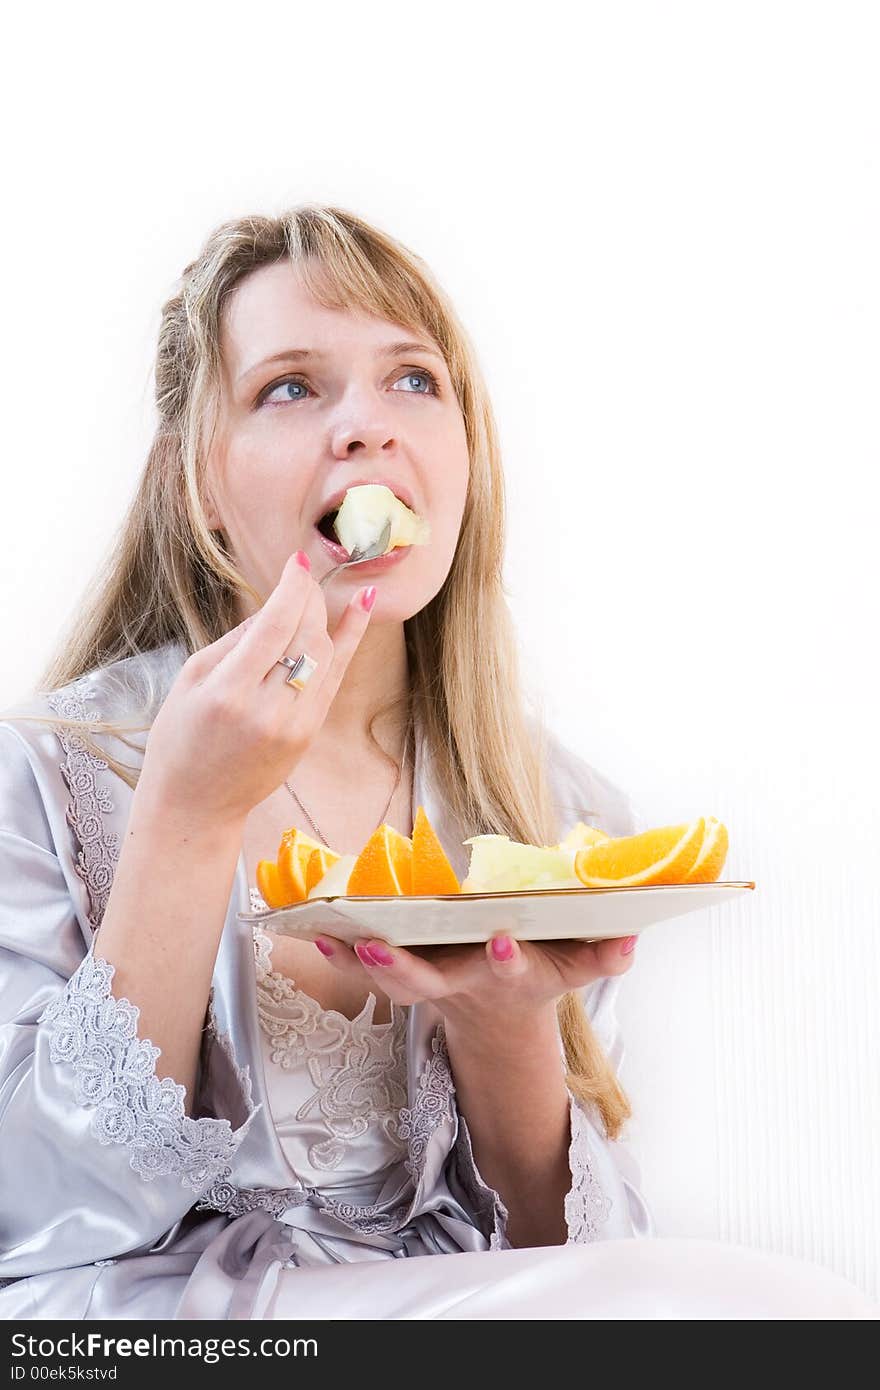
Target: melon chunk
(365,510)
(501,865)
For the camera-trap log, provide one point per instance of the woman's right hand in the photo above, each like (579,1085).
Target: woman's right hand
(230,729)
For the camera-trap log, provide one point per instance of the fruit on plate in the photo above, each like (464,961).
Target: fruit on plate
(432,873)
(666,855)
(267,882)
(320,860)
(398,865)
(282,881)
(501,865)
(334,884)
(582,835)
(713,852)
(294,853)
(384,865)
(364,512)
(393,864)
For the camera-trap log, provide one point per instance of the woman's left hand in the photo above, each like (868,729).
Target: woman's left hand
(481,979)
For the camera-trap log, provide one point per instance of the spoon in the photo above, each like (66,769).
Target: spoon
(372,552)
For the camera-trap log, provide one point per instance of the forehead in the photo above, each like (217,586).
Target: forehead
(272,309)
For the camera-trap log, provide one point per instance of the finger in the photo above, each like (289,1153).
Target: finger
(615,957)
(346,638)
(407,978)
(276,624)
(340,955)
(579,963)
(356,963)
(202,662)
(506,958)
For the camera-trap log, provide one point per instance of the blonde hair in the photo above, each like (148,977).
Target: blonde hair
(169,577)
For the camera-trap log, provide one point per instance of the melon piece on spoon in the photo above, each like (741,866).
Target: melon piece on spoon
(365,510)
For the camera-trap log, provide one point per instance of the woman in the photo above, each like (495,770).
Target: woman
(201,1120)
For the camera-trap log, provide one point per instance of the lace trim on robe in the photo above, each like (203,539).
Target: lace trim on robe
(434,1103)
(114,1070)
(89,799)
(586,1205)
(358,1068)
(486,1202)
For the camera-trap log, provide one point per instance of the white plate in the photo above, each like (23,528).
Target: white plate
(549,914)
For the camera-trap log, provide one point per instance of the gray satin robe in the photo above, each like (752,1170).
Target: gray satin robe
(113,1202)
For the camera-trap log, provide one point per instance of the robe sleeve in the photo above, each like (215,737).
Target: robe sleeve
(97,1155)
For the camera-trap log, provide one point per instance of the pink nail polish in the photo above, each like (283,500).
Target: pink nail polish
(368,597)
(323,947)
(381,955)
(628,945)
(502,947)
(363,954)
(303,560)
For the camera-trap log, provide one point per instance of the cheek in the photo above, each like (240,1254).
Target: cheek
(261,505)
(451,470)
(260,481)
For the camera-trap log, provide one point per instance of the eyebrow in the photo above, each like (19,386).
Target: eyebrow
(298,354)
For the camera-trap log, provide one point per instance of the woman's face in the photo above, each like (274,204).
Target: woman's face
(295,431)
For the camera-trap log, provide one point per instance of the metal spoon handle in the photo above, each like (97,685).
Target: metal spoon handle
(357,556)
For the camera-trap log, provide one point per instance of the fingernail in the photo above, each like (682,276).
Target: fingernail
(324,947)
(363,954)
(628,945)
(368,597)
(303,559)
(380,954)
(502,947)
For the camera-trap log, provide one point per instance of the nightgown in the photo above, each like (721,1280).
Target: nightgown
(325,1165)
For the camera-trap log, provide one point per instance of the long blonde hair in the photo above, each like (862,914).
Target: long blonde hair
(169,577)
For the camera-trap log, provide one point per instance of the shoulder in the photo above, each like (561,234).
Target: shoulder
(121,691)
(68,792)
(581,791)
(38,754)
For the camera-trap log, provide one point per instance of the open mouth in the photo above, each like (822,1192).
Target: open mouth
(326,525)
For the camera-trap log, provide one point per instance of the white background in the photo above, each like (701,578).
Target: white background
(661,225)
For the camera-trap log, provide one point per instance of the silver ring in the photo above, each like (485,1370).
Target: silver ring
(301,669)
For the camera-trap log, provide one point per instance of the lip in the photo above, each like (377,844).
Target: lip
(400,490)
(382,562)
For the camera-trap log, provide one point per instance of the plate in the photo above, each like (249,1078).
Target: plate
(548,914)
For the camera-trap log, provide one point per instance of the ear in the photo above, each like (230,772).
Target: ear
(212,516)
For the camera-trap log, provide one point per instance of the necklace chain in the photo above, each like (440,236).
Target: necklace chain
(384,815)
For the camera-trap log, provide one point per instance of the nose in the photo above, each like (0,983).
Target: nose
(363,427)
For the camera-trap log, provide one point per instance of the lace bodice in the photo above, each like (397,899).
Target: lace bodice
(336,1085)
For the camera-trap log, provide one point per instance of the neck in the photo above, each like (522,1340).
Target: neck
(377,673)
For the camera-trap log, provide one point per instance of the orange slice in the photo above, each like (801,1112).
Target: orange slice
(269,884)
(432,872)
(713,852)
(666,855)
(293,857)
(319,862)
(384,865)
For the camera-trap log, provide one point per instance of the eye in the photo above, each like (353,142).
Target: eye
(423,376)
(290,384)
(288,381)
